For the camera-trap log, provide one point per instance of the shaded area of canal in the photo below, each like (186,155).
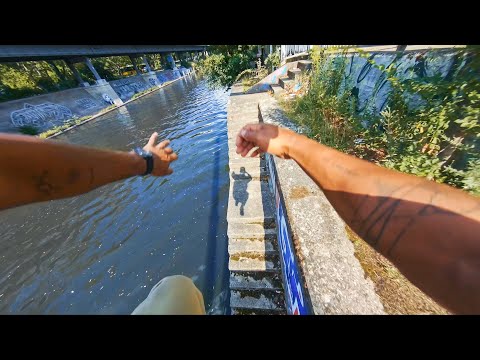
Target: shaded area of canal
(101,252)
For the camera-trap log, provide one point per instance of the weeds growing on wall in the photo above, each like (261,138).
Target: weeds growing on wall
(66,125)
(438,138)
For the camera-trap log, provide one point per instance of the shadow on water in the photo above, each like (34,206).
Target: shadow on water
(240,193)
(212,255)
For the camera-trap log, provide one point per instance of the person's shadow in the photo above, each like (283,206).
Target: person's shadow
(240,193)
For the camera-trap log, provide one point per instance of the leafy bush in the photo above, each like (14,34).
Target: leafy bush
(66,125)
(28,130)
(225,63)
(437,139)
(272,60)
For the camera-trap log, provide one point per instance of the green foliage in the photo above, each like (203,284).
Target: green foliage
(143,93)
(28,130)
(438,138)
(64,126)
(272,60)
(225,63)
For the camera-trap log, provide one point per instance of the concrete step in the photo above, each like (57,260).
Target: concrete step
(293,73)
(242,311)
(255,172)
(237,160)
(250,202)
(286,83)
(242,245)
(304,65)
(278,91)
(254,261)
(251,232)
(266,299)
(255,280)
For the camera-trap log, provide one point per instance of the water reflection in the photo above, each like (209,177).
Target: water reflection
(103,251)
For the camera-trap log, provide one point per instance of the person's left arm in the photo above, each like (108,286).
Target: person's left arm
(32,169)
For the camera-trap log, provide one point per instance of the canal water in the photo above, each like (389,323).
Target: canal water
(101,252)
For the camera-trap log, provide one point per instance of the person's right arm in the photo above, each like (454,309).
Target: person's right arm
(430,231)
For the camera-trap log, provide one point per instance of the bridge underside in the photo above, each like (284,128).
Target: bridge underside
(12,53)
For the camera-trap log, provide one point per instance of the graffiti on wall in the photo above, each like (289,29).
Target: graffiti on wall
(40,115)
(86,103)
(107,98)
(127,88)
(168,75)
(370,86)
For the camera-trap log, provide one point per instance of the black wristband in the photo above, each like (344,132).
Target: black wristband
(148,156)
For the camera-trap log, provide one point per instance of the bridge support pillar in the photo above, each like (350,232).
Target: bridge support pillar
(99,80)
(75,72)
(147,65)
(171,61)
(132,59)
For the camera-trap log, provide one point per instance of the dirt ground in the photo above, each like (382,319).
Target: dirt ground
(397,294)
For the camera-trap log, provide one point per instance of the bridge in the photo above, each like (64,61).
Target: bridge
(73,54)
(10,53)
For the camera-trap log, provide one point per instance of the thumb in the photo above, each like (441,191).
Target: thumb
(152,139)
(249,134)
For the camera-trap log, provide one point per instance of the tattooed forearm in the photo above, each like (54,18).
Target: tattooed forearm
(43,184)
(92,179)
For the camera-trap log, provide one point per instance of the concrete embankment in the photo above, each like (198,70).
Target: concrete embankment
(53,109)
(289,251)
(254,264)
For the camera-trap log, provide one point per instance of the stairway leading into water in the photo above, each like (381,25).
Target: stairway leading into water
(254,264)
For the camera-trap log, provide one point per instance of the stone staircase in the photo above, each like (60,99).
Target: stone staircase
(288,84)
(254,264)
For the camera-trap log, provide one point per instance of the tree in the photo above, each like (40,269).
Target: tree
(225,62)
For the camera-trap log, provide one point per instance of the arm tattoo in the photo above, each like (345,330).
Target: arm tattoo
(390,209)
(91,176)
(43,185)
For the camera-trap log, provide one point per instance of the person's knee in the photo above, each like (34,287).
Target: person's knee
(175,294)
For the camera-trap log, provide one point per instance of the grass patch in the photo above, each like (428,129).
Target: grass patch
(65,126)
(143,93)
(398,295)
(28,130)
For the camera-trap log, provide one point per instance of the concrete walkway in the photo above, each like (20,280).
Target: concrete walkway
(335,280)
(255,278)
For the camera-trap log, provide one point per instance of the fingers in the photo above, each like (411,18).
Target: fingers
(173,157)
(153,139)
(256,153)
(163,144)
(246,149)
(248,132)
(168,151)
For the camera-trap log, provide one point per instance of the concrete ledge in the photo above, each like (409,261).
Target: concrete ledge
(334,278)
(95,116)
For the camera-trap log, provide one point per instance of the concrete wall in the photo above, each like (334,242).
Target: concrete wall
(126,88)
(49,110)
(370,85)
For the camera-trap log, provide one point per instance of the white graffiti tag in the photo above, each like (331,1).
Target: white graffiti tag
(86,103)
(40,115)
(107,98)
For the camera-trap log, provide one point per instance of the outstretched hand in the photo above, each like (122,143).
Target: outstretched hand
(267,138)
(162,155)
